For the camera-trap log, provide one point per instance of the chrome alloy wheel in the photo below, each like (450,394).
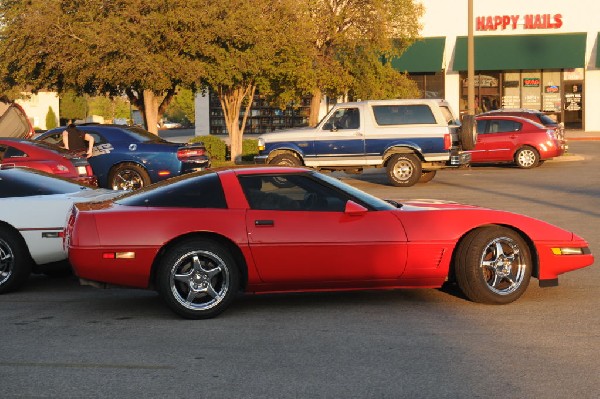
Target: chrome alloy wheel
(403,170)
(7,261)
(199,280)
(526,158)
(503,265)
(127,179)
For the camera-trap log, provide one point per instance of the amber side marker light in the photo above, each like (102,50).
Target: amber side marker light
(568,251)
(118,255)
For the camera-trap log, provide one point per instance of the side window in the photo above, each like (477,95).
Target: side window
(343,118)
(291,192)
(508,126)
(418,114)
(97,138)
(12,152)
(204,191)
(54,138)
(481,127)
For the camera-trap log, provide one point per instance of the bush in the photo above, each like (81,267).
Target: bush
(50,119)
(219,151)
(249,149)
(216,147)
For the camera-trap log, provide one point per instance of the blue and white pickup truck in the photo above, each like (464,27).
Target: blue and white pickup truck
(412,139)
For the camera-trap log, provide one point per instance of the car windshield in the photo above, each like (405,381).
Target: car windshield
(20,182)
(547,121)
(368,199)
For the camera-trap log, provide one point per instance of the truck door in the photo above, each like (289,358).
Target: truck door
(340,141)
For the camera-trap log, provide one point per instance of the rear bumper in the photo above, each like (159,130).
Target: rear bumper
(459,158)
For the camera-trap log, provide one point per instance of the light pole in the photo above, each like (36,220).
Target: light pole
(470,62)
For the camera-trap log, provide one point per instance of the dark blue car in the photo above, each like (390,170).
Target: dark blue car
(128,158)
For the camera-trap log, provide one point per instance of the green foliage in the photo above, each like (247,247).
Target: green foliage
(109,108)
(249,149)
(51,120)
(72,106)
(215,146)
(182,109)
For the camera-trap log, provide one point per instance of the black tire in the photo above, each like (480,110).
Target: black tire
(468,132)
(404,170)
(285,160)
(527,157)
(493,265)
(15,261)
(128,176)
(198,279)
(427,176)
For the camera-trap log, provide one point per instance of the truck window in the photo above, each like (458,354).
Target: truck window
(419,114)
(343,118)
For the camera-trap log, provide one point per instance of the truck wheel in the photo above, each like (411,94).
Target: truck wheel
(404,170)
(285,160)
(468,132)
(427,176)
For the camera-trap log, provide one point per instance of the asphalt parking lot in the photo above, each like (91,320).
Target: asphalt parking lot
(62,340)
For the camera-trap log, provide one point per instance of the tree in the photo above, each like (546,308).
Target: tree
(348,37)
(259,47)
(50,119)
(145,49)
(182,108)
(72,106)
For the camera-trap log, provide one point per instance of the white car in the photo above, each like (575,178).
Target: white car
(34,207)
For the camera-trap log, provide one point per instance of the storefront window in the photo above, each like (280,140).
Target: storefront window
(551,94)
(431,85)
(511,87)
(487,91)
(531,82)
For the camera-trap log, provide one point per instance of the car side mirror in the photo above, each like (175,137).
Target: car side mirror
(354,209)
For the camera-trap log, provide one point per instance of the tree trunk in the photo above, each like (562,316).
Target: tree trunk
(231,103)
(150,111)
(315,108)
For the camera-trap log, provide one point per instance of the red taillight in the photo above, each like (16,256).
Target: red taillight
(88,170)
(185,153)
(447,141)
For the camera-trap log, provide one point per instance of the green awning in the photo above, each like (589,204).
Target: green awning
(494,53)
(426,55)
(598,51)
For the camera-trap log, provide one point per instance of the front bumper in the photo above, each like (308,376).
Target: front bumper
(261,159)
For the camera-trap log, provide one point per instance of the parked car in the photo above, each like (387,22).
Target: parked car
(200,238)
(411,138)
(129,157)
(532,114)
(33,212)
(46,157)
(14,121)
(504,138)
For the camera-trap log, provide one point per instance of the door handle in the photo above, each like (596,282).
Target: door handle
(264,223)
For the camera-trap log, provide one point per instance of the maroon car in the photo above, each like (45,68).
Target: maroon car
(532,114)
(505,138)
(46,157)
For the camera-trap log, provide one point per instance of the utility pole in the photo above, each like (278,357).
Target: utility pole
(470,62)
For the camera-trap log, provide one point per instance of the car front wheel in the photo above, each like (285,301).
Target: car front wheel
(493,265)
(15,262)
(198,279)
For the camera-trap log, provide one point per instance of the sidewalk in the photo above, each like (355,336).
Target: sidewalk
(580,135)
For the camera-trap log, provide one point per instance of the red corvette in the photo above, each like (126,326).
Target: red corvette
(200,238)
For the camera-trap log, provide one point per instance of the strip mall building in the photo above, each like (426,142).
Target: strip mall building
(536,54)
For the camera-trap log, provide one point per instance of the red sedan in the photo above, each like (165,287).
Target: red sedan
(200,238)
(505,138)
(47,158)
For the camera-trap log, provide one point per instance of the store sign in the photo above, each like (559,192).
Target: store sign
(531,82)
(551,89)
(528,21)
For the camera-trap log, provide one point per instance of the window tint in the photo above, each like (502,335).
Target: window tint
(19,183)
(54,138)
(403,114)
(201,191)
(291,192)
(343,118)
(547,121)
(12,152)
(503,125)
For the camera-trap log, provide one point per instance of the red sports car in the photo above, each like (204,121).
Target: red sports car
(47,158)
(506,138)
(200,238)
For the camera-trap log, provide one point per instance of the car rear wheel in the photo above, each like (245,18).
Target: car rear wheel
(128,176)
(198,279)
(404,170)
(427,176)
(493,265)
(15,262)
(527,157)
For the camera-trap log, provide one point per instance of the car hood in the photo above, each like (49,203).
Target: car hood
(284,134)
